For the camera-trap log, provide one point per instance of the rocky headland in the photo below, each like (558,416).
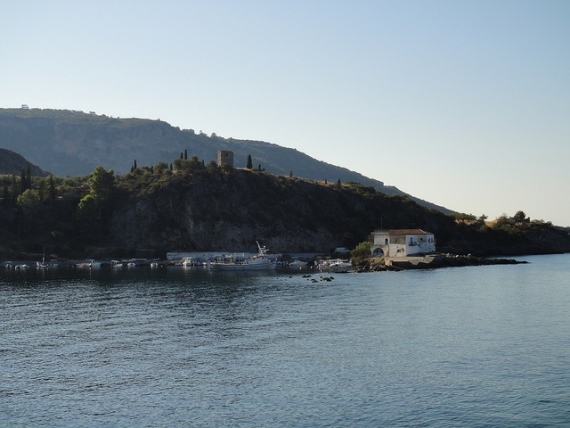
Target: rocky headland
(203,207)
(432,261)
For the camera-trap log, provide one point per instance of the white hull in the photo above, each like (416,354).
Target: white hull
(260,262)
(340,267)
(298,265)
(245,265)
(336,266)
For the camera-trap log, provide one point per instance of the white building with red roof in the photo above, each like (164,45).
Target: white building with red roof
(402,242)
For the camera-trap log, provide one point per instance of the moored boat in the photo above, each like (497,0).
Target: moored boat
(187,262)
(298,265)
(336,266)
(260,261)
(88,264)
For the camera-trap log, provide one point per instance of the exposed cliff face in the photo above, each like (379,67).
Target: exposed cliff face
(204,208)
(229,211)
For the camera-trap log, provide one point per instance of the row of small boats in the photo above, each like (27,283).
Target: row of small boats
(262,261)
(84,264)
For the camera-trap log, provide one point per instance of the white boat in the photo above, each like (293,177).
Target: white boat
(93,264)
(42,265)
(88,264)
(298,265)
(340,266)
(187,262)
(336,266)
(261,261)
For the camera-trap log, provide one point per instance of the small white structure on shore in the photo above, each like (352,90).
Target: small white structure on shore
(402,242)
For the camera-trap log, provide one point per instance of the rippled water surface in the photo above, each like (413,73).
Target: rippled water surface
(462,347)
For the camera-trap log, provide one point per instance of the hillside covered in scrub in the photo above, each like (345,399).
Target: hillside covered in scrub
(199,206)
(73,143)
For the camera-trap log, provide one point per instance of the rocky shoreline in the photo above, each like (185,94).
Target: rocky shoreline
(432,261)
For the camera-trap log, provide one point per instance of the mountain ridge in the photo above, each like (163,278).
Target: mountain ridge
(74,143)
(12,163)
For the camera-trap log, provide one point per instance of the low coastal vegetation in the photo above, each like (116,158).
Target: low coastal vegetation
(191,205)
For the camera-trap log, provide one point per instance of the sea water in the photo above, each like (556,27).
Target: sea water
(484,346)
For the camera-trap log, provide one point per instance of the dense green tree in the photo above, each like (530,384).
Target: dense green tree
(520,217)
(15,189)
(42,186)
(362,251)
(249,162)
(89,219)
(23,182)
(188,165)
(94,210)
(212,167)
(160,167)
(29,201)
(179,164)
(5,193)
(29,175)
(51,190)
(102,184)
(29,204)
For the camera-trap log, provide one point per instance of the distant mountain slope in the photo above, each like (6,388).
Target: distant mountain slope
(71,143)
(13,163)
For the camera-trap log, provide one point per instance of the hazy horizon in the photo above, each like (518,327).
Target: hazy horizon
(462,104)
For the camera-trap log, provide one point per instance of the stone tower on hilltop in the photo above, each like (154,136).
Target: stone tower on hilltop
(226,157)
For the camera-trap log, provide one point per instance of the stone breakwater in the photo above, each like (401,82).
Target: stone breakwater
(431,261)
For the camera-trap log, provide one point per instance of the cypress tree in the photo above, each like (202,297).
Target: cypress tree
(15,192)
(51,190)
(5,194)
(23,182)
(28,176)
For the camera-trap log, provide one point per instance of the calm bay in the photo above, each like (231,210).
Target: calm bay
(483,346)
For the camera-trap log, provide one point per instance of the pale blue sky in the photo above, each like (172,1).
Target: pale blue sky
(463,103)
